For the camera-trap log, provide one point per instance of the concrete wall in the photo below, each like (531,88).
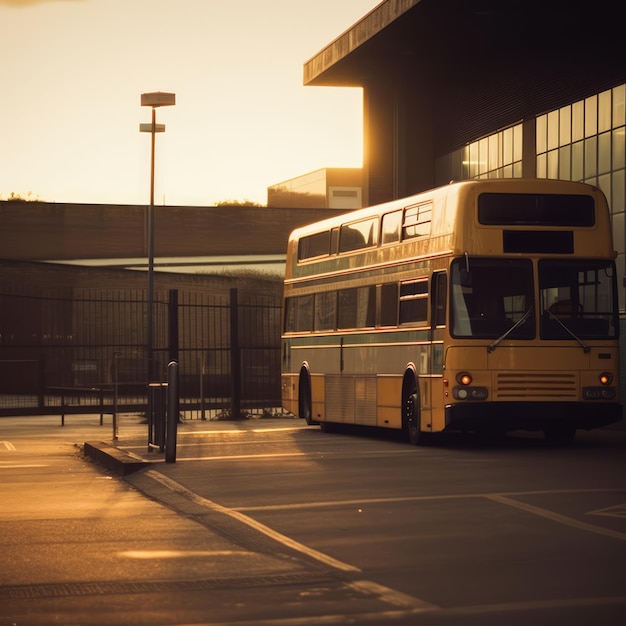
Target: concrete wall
(44,231)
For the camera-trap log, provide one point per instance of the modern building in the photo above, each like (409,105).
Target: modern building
(329,188)
(459,89)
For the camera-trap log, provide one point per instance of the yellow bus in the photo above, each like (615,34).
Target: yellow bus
(482,306)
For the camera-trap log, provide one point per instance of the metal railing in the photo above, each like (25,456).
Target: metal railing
(82,350)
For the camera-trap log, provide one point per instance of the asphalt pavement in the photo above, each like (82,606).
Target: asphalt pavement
(97,528)
(80,546)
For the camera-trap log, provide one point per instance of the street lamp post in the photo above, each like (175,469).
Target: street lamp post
(154,100)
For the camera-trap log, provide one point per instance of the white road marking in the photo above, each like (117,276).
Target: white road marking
(245,456)
(318,556)
(556,517)
(611,511)
(8,445)
(502,498)
(454,496)
(408,605)
(385,594)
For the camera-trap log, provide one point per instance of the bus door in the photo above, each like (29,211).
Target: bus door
(438,307)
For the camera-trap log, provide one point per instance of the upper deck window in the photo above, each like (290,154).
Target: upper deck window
(417,220)
(535,209)
(314,245)
(358,235)
(390,232)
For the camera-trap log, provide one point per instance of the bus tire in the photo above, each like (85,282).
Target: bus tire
(305,408)
(410,409)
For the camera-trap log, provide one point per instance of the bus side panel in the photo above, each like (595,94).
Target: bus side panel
(318,397)
(389,391)
(438,413)
(289,393)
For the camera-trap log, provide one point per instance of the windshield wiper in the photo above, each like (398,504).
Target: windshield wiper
(583,345)
(494,344)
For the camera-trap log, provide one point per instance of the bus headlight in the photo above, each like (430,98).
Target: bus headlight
(606,378)
(464,389)
(603,392)
(464,378)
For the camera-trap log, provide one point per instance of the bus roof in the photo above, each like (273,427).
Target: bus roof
(453,189)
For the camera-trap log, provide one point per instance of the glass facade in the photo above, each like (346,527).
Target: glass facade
(496,156)
(584,141)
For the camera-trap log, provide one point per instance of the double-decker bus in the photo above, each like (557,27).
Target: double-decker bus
(484,306)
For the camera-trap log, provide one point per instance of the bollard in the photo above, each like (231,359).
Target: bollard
(172,412)
(156,415)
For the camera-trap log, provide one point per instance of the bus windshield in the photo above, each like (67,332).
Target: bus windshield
(577,298)
(490,296)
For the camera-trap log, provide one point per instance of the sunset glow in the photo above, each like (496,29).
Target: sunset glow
(73,72)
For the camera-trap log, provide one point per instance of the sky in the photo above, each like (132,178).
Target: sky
(72,73)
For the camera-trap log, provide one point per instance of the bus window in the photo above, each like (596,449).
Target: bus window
(414,302)
(314,246)
(440,293)
(358,235)
(356,308)
(417,220)
(299,314)
(391,227)
(325,310)
(389,304)
(334,241)
(578,297)
(516,209)
(491,297)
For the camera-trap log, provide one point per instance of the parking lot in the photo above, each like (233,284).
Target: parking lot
(266,520)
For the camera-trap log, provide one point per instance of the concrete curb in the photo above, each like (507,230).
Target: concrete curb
(114,459)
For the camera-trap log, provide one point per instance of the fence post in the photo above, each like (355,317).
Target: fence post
(172,412)
(201,381)
(114,367)
(235,360)
(41,381)
(173,325)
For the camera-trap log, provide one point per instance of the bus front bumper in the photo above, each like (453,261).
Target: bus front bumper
(505,416)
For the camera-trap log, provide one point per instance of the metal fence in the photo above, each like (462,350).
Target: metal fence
(86,350)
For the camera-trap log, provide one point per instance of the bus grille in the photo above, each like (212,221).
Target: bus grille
(536,385)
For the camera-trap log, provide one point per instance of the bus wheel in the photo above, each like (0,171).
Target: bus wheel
(410,412)
(560,435)
(305,409)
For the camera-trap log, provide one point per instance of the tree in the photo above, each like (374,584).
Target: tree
(16,197)
(244,202)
